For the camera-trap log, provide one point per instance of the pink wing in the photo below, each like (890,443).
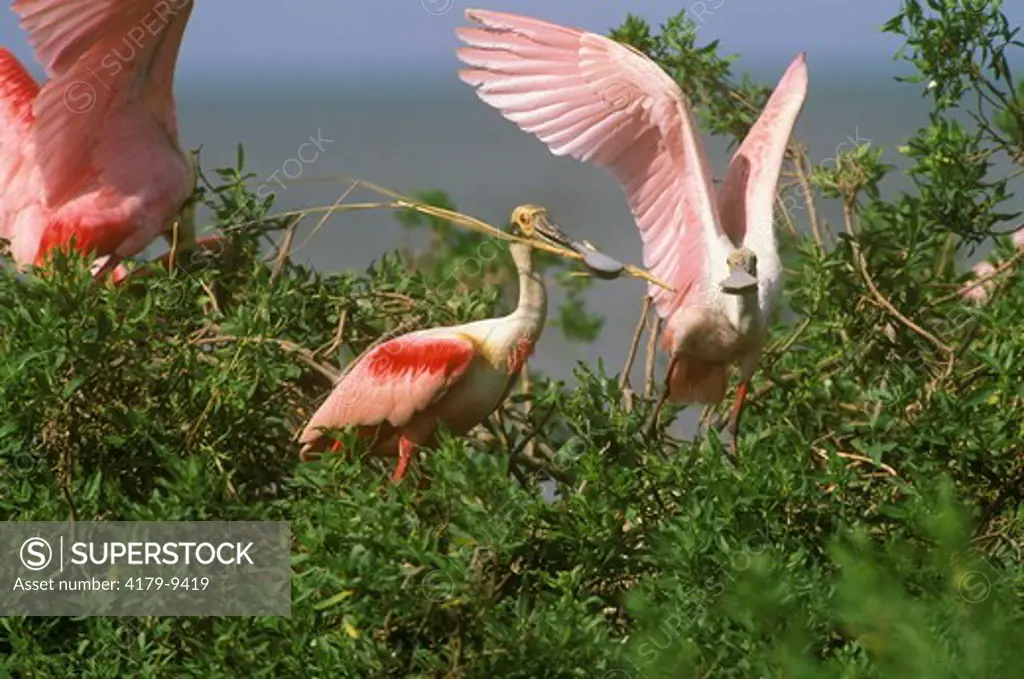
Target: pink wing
(747,199)
(601,101)
(20,209)
(392,383)
(97,52)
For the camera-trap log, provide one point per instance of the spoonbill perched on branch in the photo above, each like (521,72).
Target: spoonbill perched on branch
(398,392)
(93,157)
(598,100)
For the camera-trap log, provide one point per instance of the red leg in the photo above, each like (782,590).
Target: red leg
(406,448)
(737,411)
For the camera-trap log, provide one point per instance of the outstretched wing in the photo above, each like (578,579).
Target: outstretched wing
(393,382)
(101,55)
(600,101)
(21,220)
(747,199)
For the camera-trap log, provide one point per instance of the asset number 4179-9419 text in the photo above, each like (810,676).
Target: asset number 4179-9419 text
(198,584)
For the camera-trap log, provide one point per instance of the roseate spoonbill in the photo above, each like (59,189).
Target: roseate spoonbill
(400,391)
(93,155)
(598,100)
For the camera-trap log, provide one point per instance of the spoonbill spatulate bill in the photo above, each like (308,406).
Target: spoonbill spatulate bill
(397,393)
(92,156)
(601,101)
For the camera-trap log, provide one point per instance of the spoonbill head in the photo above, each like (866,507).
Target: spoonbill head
(532,221)
(536,221)
(742,278)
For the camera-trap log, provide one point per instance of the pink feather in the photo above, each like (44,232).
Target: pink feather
(98,160)
(392,384)
(747,198)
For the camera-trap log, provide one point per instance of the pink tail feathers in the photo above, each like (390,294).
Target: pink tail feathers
(692,380)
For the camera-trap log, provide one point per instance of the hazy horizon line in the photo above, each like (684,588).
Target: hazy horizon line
(873,71)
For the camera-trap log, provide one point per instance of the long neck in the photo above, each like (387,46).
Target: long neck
(744,311)
(532,309)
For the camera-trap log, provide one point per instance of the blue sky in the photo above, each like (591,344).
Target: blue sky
(249,38)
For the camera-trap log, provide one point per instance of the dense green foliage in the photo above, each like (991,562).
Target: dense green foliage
(871,527)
